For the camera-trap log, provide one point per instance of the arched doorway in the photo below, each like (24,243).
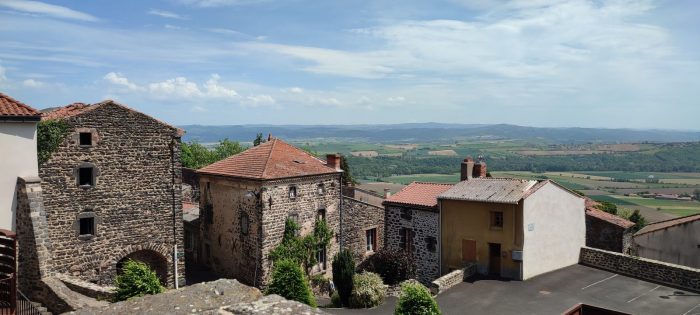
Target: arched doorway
(152,259)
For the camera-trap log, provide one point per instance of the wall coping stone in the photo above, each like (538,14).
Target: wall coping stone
(86,288)
(451,279)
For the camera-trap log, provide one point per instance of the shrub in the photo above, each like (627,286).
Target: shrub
(335,300)
(394,266)
(136,280)
(415,299)
(343,272)
(368,290)
(49,135)
(289,282)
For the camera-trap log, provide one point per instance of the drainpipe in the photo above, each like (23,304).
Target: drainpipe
(439,236)
(174,206)
(340,228)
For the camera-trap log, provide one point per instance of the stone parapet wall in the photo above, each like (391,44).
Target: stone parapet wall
(86,288)
(358,217)
(647,269)
(453,278)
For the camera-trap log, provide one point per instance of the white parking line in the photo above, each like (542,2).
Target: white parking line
(594,283)
(645,293)
(690,310)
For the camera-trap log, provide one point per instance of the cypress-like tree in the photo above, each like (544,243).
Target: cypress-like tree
(343,273)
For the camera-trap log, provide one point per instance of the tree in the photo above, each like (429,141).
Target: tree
(227,148)
(343,273)
(289,282)
(258,140)
(696,194)
(608,207)
(136,280)
(638,219)
(195,155)
(415,299)
(347,176)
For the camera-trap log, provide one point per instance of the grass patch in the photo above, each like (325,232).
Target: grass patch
(612,199)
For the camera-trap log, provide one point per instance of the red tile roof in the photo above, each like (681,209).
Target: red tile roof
(608,217)
(271,160)
(668,223)
(10,107)
(419,194)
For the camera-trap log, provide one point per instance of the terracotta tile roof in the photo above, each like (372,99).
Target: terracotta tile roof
(668,223)
(608,217)
(79,108)
(419,194)
(271,160)
(497,190)
(12,108)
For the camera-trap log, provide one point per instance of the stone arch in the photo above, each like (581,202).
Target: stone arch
(162,250)
(152,259)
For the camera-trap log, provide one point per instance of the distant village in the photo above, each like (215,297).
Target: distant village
(102,185)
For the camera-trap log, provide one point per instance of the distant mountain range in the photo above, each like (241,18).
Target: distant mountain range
(430,132)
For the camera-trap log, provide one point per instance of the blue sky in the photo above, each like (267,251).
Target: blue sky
(616,63)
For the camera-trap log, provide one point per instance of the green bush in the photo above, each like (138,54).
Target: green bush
(335,300)
(49,135)
(343,272)
(289,282)
(415,299)
(394,266)
(368,290)
(136,280)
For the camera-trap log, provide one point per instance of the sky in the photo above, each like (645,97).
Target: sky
(550,63)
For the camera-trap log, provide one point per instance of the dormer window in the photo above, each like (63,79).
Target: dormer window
(86,139)
(292,192)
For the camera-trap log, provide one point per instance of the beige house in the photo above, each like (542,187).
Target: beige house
(247,198)
(509,227)
(18,149)
(675,241)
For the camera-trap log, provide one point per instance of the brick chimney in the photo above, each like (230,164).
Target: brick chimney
(467,169)
(480,168)
(333,160)
(387,193)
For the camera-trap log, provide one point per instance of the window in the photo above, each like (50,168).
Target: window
(496,219)
(320,190)
(244,223)
(371,239)
(406,239)
(86,176)
(87,226)
(406,214)
(86,138)
(431,244)
(321,257)
(321,215)
(292,192)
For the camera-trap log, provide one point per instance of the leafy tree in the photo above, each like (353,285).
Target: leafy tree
(415,299)
(136,280)
(258,140)
(347,176)
(394,266)
(343,273)
(289,282)
(696,194)
(226,148)
(638,219)
(302,250)
(49,135)
(368,290)
(195,155)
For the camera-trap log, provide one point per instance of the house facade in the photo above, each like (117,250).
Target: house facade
(362,228)
(109,192)
(607,231)
(509,227)
(246,199)
(18,124)
(675,241)
(412,223)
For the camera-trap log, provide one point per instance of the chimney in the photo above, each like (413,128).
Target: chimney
(387,193)
(333,160)
(467,169)
(480,168)
(269,137)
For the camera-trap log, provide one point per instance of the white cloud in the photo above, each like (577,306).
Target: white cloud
(295,90)
(166,14)
(177,87)
(259,100)
(36,7)
(32,83)
(199,109)
(396,99)
(220,3)
(119,79)
(174,27)
(214,89)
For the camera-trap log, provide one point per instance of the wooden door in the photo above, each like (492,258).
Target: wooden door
(468,250)
(494,259)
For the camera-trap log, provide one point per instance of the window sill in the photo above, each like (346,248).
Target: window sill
(85,186)
(84,146)
(86,237)
(496,228)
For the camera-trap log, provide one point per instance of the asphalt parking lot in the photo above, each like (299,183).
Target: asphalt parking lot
(555,292)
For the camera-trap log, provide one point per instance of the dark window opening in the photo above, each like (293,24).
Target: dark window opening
(245,225)
(371,239)
(406,214)
(431,244)
(321,215)
(321,190)
(292,192)
(87,226)
(321,257)
(85,176)
(85,138)
(497,219)
(406,241)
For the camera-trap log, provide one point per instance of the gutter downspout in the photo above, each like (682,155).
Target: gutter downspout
(440,236)
(172,165)
(340,180)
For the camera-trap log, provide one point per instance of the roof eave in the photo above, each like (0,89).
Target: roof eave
(20,118)
(479,200)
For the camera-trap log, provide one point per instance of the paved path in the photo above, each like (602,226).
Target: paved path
(555,292)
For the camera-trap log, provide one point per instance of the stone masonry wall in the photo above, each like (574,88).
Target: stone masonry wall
(453,278)
(277,207)
(425,225)
(647,269)
(358,217)
(137,189)
(605,235)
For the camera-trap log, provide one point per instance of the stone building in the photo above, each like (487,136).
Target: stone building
(18,146)
(607,231)
(246,199)
(363,228)
(412,223)
(109,192)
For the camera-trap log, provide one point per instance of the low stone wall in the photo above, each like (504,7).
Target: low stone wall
(86,288)
(453,278)
(647,269)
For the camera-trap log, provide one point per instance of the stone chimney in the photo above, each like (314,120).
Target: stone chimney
(333,160)
(269,137)
(467,169)
(387,193)
(480,168)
